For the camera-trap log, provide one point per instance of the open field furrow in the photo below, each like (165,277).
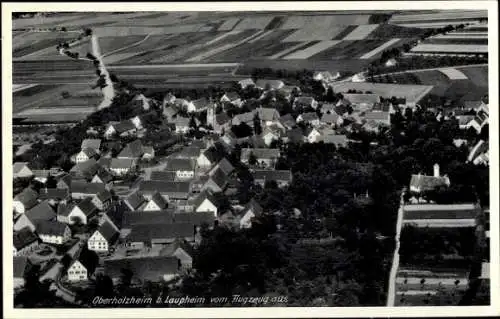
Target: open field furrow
(312,50)
(361,32)
(228,24)
(450,48)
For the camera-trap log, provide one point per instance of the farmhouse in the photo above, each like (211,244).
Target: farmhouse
(24,200)
(156,203)
(53,232)
(233,98)
(79,213)
(269,135)
(121,166)
(421,183)
(222,123)
(81,268)
(159,234)
(281,177)
(24,242)
(216,182)
(85,169)
(263,156)
(21,170)
(224,165)
(42,211)
(124,128)
(204,203)
(134,201)
(103,177)
(103,238)
(246,82)
(209,158)
(441,216)
(305,101)
(169,190)
(378,117)
(267,116)
(182,251)
(133,150)
(252,209)
(287,121)
(310,118)
(269,84)
(85,154)
(198,105)
(332,119)
(94,144)
(184,168)
(479,154)
(102,200)
(246,118)
(154,269)
(83,189)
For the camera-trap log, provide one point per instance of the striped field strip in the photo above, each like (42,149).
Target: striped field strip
(429,25)
(373,52)
(361,32)
(451,48)
(286,51)
(261,36)
(312,50)
(453,74)
(225,35)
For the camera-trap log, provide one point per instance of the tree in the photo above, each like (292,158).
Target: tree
(88,32)
(256,124)
(252,159)
(192,123)
(65,95)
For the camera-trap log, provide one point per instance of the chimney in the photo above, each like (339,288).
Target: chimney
(436,170)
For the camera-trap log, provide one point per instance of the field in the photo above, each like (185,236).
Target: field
(413,93)
(438,19)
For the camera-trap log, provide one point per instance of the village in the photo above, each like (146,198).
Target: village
(129,204)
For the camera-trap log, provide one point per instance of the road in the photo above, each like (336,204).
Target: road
(108,91)
(432,69)
(391,294)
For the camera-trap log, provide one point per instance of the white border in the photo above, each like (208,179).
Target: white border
(10,312)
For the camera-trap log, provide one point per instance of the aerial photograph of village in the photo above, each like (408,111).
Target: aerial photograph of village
(187,159)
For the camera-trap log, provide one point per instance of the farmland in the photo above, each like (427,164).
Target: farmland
(413,93)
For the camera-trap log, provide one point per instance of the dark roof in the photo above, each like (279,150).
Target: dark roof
(145,218)
(16,168)
(310,116)
(87,188)
(440,211)
(295,135)
(104,195)
(287,120)
(172,189)
(124,126)
(266,153)
(179,164)
(194,218)
(144,268)
(200,103)
(377,116)
(90,152)
(54,228)
(53,193)
(254,206)
(275,175)
(89,167)
(330,118)
(213,155)
(149,232)
(304,100)
(28,197)
(341,109)
(222,118)
(117,163)
(427,183)
(104,162)
(108,231)
(132,150)
(42,211)
(225,166)
(382,106)
(170,249)
(105,176)
(20,266)
(189,152)
(198,200)
(87,259)
(23,238)
(232,96)
(87,207)
(159,201)
(219,178)
(134,200)
(163,176)
(91,143)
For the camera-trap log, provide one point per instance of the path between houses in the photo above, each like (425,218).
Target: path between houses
(391,294)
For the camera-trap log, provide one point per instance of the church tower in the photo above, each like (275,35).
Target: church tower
(211,114)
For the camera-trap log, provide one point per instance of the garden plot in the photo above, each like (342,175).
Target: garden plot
(253,23)
(214,51)
(450,48)
(375,51)
(312,50)
(361,32)
(228,24)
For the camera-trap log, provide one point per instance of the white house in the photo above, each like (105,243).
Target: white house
(309,118)
(85,154)
(121,166)
(102,200)
(24,200)
(251,210)
(246,82)
(313,135)
(208,158)
(205,203)
(103,238)
(77,272)
(359,77)
(81,212)
(21,170)
(184,168)
(233,98)
(53,232)
(156,203)
(269,136)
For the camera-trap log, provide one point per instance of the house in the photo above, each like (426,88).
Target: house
(337,140)
(313,135)
(21,267)
(159,234)
(182,250)
(103,177)
(391,62)
(222,123)
(50,271)
(183,168)
(121,166)
(163,176)
(479,154)
(189,152)
(134,201)
(216,182)
(295,135)
(181,124)
(305,102)
(288,91)
(332,119)
(24,200)
(170,112)
(205,202)
(82,267)
(198,105)
(246,118)
(85,169)
(267,116)
(133,150)
(224,165)
(83,189)
(93,143)
(85,154)
(53,195)
(465,121)
(169,190)
(24,242)
(362,102)
(79,213)
(122,129)
(64,181)
(21,170)
(233,98)
(246,82)
(281,177)
(252,209)
(421,183)
(42,211)
(269,84)
(142,101)
(156,203)
(102,200)
(263,156)
(269,135)
(53,232)
(41,175)
(480,120)
(378,117)
(287,121)
(441,215)
(310,118)
(103,238)
(359,77)
(209,158)
(151,268)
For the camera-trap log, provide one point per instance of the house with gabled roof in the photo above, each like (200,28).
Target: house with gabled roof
(295,135)
(182,250)
(232,97)
(81,212)
(169,190)
(216,182)
(82,267)
(24,200)
(122,166)
(378,117)
(198,105)
(209,158)
(156,203)
(85,154)
(313,135)
(102,200)
(93,143)
(85,169)
(21,267)
(310,118)
(205,202)
(222,123)
(264,156)
(252,209)
(134,201)
(81,189)
(159,234)
(281,177)
(224,165)
(246,118)
(103,177)
(246,82)
(54,195)
(181,124)
(25,241)
(270,134)
(64,181)
(338,140)
(122,129)
(269,84)
(480,120)
(332,119)
(103,237)
(150,268)
(184,168)
(132,150)
(170,112)
(42,211)
(287,121)
(305,101)
(53,232)
(479,154)
(21,170)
